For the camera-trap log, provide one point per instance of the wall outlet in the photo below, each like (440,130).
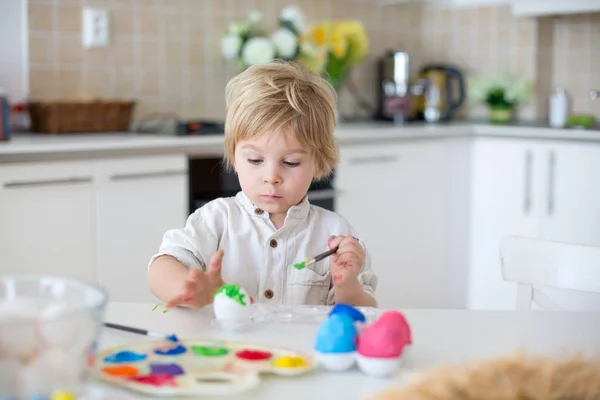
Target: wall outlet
(96,28)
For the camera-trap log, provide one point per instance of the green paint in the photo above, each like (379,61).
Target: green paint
(233,292)
(159,304)
(300,265)
(210,351)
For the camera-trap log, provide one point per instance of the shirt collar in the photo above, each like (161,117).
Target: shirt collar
(298,211)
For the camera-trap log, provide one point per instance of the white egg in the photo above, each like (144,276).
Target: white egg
(336,362)
(378,367)
(9,378)
(35,379)
(228,309)
(19,338)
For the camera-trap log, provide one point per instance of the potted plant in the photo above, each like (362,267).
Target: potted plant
(502,93)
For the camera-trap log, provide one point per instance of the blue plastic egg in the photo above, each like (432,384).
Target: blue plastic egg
(337,334)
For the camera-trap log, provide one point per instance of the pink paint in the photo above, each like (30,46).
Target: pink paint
(386,337)
(253,355)
(337,277)
(155,380)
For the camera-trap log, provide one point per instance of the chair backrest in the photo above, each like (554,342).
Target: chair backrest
(534,264)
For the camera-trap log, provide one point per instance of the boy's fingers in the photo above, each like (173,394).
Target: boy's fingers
(215,262)
(334,241)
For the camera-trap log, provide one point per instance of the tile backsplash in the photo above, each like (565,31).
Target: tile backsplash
(166,53)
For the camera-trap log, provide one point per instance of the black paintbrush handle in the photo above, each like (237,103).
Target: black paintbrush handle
(126,328)
(326,254)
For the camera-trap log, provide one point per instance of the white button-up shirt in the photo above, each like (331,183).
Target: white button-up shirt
(259,257)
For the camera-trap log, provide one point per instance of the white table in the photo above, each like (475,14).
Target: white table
(440,336)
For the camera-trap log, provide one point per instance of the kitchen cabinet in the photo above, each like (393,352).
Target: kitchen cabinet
(47,219)
(540,8)
(530,188)
(397,195)
(504,187)
(138,200)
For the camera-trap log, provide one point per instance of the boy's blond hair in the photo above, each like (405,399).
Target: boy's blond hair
(282,97)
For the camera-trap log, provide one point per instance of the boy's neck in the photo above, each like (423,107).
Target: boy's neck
(278,219)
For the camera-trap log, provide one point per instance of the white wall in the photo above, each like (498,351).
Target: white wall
(14,57)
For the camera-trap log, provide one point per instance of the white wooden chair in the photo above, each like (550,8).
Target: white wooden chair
(535,264)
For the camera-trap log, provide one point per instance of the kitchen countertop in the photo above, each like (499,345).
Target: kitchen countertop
(38,147)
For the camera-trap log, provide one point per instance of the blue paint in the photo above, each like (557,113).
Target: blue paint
(166,369)
(173,338)
(124,357)
(352,312)
(172,351)
(337,334)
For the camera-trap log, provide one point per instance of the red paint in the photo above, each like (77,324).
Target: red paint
(155,380)
(253,355)
(337,277)
(251,300)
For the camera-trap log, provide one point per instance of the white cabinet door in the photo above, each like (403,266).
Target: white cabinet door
(505,187)
(571,211)
(138,201)
(46,219)
(393,194)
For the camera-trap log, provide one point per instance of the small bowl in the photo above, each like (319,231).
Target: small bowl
(48,330)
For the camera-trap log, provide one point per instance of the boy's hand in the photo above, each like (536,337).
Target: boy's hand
(347,262)
(199,288)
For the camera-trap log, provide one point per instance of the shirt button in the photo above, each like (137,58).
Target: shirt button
(269,294)
(258,211)
(273,243)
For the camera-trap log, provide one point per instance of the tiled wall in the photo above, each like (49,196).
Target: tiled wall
(166,53)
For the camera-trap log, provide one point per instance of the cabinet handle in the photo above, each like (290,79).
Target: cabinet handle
(373,159)
(49,182)
(551,172)
(527,182)
(147,175)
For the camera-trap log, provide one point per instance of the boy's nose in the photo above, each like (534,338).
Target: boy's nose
(273,178)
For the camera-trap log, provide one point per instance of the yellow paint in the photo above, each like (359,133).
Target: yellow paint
(290,362)
(62,395)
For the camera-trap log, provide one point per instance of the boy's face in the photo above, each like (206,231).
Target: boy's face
(274,171)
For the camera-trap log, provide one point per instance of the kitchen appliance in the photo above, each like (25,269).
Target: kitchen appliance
(394,87)
(442,92)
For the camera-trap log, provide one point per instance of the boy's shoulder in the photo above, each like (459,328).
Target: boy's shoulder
(329,217)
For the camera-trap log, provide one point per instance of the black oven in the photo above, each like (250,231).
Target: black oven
(208,180)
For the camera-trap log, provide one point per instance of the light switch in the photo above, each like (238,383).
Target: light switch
(96,27)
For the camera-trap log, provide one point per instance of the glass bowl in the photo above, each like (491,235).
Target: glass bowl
(48,331)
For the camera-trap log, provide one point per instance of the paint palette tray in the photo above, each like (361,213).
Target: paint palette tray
(196,367)
(300,314)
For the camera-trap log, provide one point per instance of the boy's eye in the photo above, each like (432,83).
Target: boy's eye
(254,161)
(291,164)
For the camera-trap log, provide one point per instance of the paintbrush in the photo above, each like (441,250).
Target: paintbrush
(306,263)
(140,331)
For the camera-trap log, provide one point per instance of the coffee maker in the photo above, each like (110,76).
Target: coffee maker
(433,96)
(394,87)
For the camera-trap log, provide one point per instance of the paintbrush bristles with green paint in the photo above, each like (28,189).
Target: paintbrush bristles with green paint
(306,263)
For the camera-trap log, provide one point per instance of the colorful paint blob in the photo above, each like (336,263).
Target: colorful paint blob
(173,338)
(121,370)
(290,362)
(210,351)
(62,395)
(170,350)
(253,355)
(155,380)
(166,369)
(125,356)
(301,264)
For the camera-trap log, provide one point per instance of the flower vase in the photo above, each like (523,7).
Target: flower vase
(501,115)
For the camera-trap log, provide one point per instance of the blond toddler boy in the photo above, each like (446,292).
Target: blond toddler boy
(278,138)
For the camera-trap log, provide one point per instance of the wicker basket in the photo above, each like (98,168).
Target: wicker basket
(80,116)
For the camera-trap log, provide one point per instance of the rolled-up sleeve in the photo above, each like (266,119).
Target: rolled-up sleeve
(191,245)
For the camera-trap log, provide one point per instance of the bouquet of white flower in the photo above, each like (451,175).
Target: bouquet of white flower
(246,44)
